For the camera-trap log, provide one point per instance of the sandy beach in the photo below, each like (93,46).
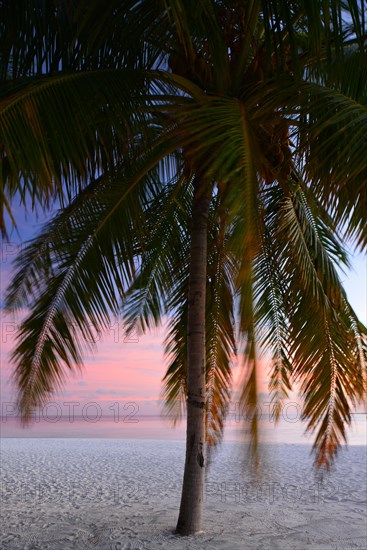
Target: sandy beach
(65,494)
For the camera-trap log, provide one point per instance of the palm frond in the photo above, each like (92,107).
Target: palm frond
(336,166)
(174,390)
(250,396)
(220,336)
(323,346)
(329,129)
(270,274)
(88,262)
(59,132)
(165,225)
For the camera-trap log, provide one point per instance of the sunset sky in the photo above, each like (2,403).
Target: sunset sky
(124,370)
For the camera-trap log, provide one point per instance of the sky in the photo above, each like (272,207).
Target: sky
(124,374)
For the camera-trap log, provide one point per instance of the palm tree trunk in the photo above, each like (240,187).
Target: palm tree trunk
(192,499)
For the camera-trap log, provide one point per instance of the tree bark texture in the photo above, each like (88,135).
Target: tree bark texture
(192,499)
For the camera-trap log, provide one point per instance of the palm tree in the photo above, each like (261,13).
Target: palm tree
(209,160)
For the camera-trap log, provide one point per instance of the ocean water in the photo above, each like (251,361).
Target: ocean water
(288,430)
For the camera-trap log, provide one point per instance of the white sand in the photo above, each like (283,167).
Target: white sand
(124,494)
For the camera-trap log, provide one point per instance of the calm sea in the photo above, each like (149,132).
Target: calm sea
(158,428)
